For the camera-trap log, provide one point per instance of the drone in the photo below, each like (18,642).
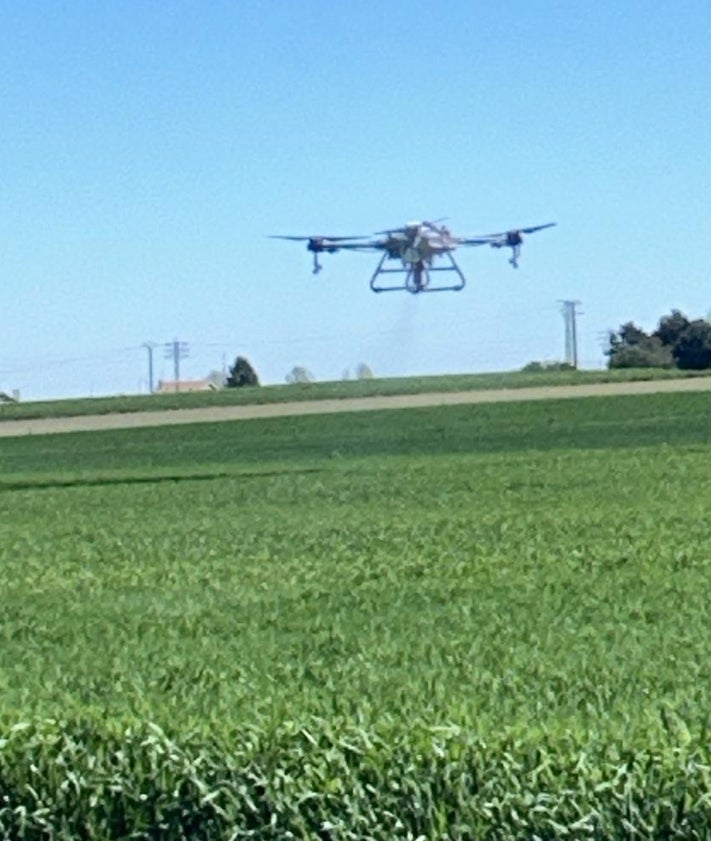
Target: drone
(417,245)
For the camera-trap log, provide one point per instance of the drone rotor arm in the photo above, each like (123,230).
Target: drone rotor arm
(365,245)
(486,240)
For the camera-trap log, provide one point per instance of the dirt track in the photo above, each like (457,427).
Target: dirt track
(134,420)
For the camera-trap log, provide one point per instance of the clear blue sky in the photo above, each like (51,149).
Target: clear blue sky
(147,150)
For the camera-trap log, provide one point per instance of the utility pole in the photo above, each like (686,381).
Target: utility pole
(177,351)
(569,310)
(149,347)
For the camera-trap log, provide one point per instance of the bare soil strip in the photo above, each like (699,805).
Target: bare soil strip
(135,420)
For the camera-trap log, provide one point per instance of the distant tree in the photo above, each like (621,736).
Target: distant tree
(241,374)
(677,342)
(631,347)
(631,335)
(641,356)
(671,327)
(363,372)
(692,350)
(299,374)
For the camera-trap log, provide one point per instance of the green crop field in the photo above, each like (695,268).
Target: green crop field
(474,622)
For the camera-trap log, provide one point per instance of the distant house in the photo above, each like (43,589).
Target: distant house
(171,386)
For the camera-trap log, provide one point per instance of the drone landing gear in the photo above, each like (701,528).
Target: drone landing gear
(418,277)
(513,241)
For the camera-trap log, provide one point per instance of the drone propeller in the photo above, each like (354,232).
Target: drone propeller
(514,232)
(434,223)
(536,228)
(510,237)
(316,238)
(318,244)
(391,231)
(405,228)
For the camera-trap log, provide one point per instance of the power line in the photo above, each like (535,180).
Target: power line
(105,357)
